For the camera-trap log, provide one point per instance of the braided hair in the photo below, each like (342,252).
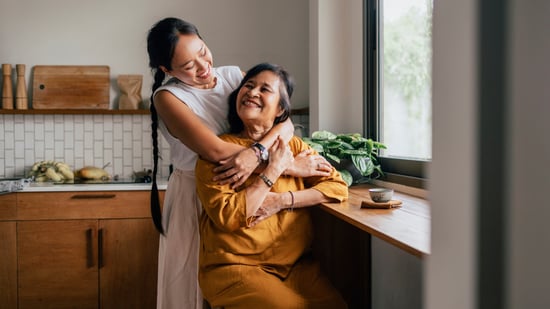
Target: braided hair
(161,42)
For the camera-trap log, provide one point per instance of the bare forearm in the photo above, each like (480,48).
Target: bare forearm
(284,129)
(220,150)
(275,202)
(306,198)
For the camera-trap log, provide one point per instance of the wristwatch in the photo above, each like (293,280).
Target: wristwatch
(264,154)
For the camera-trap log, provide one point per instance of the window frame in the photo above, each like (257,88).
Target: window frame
(397,170)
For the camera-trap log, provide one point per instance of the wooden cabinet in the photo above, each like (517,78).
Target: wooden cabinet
(57,264)
(86,250)
(8,251)
(128,279)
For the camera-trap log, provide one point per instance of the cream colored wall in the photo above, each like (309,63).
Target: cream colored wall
(453,185)
(240,32)
(336,65)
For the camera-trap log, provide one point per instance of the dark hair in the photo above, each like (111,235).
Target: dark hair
(236,124)
(161,42)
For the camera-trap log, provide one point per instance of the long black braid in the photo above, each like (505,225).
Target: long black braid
(161,41)
(155,198)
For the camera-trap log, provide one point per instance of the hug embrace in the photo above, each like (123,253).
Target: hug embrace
(235,215)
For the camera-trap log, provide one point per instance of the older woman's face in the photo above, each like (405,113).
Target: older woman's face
(258,99)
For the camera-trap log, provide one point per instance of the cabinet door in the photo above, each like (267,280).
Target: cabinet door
(57,263)
(128,263)
(8,265)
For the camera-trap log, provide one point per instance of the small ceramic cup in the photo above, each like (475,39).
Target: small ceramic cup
(381,195)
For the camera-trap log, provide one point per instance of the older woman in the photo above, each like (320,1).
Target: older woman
(255,239)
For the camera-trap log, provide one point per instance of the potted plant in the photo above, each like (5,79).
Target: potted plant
(354,156)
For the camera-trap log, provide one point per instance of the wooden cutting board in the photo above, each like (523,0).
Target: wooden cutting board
(70,87)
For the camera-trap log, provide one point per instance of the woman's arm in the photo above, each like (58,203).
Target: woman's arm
(309,163)
(186,126)
(237,162)
(280,158)
(319,189)
(233,165)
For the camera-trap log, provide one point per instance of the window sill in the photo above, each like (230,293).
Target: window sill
(407,227)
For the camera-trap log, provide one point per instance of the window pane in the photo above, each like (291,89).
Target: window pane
(405,78)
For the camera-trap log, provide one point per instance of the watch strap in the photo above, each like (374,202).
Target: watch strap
(264,155)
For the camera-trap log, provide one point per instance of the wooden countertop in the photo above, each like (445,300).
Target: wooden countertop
(407,227)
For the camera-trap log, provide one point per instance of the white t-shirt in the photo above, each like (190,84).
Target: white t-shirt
(210,105)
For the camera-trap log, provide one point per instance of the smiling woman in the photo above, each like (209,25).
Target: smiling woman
(256,238)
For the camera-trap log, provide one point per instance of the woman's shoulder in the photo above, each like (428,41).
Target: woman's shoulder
(169,85)
(231,73)
(228,70)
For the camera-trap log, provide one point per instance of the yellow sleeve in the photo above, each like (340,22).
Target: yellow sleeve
(223,205)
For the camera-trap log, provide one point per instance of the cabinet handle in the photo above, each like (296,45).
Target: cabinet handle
(89,249)
(93,196)
(100,248)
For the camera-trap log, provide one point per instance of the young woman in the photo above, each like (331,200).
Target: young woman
(190,110)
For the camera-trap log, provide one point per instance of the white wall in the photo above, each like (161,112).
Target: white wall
(450,269)
(336,65)
(241,32)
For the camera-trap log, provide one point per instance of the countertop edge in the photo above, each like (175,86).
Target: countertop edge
(49,187)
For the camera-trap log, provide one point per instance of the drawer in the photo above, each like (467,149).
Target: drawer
(8,209)
(83,205)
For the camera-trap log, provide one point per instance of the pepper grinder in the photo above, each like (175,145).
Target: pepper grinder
(7,87)
(21,101)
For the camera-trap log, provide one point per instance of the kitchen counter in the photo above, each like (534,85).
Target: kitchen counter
(407,227)
(51,187)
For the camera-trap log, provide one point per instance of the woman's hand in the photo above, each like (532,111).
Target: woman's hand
(307,164)
(280,156)
(272,204)
(236,169)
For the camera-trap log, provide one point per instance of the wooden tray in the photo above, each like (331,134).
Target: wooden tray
(71,87)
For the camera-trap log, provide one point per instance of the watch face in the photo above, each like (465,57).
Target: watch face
(264,155)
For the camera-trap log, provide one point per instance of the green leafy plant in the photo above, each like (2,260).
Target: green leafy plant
(354,156)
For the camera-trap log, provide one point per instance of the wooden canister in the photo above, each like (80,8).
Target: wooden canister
(21,101)
(7,87)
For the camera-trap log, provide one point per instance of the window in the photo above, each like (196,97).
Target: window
(398,61)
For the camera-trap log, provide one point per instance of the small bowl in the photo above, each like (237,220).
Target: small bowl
(381,195)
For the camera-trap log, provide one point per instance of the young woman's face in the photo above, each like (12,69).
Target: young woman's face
(192,62)
(258,99)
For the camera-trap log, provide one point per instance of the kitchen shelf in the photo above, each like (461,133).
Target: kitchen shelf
(74,111)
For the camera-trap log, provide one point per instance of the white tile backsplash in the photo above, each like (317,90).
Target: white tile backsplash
(123,141)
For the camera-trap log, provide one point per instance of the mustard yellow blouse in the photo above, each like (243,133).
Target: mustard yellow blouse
(274,244)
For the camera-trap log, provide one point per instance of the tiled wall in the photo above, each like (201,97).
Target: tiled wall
(124,141)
